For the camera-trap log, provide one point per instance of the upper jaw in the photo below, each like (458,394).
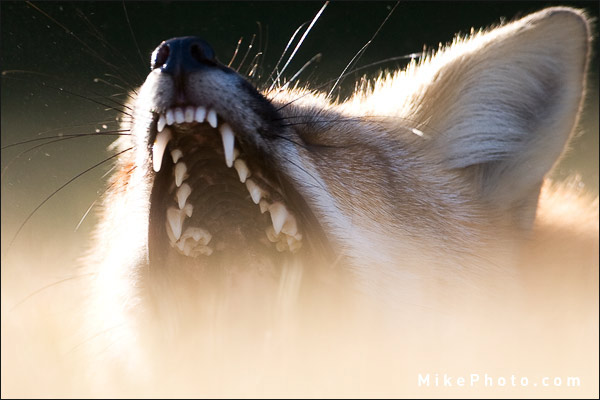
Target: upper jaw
(188,144)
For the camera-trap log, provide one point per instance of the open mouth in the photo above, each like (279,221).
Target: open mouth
(216,193)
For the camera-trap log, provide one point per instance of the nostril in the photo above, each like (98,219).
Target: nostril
(183,55)
(201,52)
(160,56)
(197,53)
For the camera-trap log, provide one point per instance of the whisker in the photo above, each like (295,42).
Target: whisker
(63,128)
(89,49)
(359,54)
(95,336)
(57,191)
(45,85)
(285,51)
(264,52)
(12,160)
(8,74)
(235,52)
(306,32)
(313,90)
(114,85)
(60,139)
(131,72)
(317,183)
(253,65)
(247,52)
(45,287)
(70,136)
(99,196)
(137,46)
(316,58)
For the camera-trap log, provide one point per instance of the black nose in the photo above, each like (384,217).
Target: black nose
(183,55)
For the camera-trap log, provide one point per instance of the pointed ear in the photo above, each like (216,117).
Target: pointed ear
(505,103)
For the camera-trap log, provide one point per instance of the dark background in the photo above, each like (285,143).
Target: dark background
(88,40)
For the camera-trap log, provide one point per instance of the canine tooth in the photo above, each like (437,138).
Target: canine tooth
(271,235)
(162,121)
(290,227)
(179,117)
(211,118)
(189,114)
(176,154)
(170,116)
(199,235)
(264,206)
(175,219)
(228,143)
(183,193)
(180,173)
(188,209)
(172,238)
(242,170)
(158,148)
(255,190)
(200,114)
(278,215)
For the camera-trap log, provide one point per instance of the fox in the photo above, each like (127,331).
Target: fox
(281,242)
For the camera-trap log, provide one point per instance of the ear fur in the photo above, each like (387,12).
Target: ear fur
(502,104)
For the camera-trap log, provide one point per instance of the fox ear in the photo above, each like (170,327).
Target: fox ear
(505,103)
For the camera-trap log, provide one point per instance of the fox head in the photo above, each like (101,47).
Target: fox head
(445,157)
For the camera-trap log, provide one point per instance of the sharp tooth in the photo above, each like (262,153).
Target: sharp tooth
(264,206)
(294,245)
(228,143)
(162,121)
(170,117)
(199,235)
(182,194)
(290,227)
(278,215)
(242,169)
(188,209)
(158,148)
(172,238)
(187,248)
(179,117)
(175,219)
(180,173)
(200,114)
(271,235)
(289,240)
(176,154)
(207,251)
(255,190)
(189,114)
(281,246)
(180,244)
(211,118)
